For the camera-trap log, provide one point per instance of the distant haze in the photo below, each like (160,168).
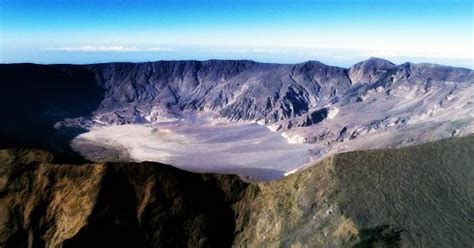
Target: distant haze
(334,32)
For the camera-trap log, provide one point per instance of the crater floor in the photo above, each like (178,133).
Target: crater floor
(250,150)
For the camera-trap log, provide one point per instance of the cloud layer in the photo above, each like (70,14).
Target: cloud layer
(107,49)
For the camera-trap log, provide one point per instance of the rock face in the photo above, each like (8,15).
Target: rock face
(236,90)
(376,94)
(370,71)
(407,197)
(250,91)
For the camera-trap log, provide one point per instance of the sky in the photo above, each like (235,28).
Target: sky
(282,31)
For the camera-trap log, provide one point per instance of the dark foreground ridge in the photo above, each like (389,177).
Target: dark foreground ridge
(419,196)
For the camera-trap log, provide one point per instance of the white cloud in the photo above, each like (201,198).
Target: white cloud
(433,55)
(246,50)
(407,47)
(107,49)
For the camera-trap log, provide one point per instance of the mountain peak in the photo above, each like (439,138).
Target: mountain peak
(375,62)
(370,70)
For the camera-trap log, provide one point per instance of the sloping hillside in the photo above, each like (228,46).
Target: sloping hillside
(414,196)
(419,196)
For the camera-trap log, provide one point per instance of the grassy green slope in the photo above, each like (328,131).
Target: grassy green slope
(419,196)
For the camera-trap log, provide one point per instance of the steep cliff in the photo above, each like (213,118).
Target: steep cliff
(414,196)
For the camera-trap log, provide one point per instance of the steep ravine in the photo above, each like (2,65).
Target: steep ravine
(409,197)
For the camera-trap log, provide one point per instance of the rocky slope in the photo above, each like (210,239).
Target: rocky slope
(408,197)
(269,93)
(373,104)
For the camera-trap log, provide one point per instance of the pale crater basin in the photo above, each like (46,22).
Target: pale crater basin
(249,150)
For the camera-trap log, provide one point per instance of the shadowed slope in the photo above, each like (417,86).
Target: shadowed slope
(408,197)
(35,97)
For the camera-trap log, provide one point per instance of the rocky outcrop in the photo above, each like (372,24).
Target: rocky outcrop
(370,71)
(408,197)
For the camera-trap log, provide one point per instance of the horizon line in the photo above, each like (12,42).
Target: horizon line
(250,60)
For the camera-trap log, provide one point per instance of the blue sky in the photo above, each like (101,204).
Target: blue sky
(284,31)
